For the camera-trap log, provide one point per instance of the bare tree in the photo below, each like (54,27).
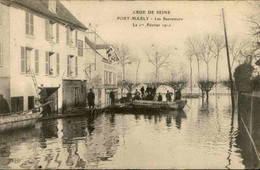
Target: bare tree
(193,50)
(137,70)
(218,45)
(158,60)
(206,46)
(238,51)
(124,56)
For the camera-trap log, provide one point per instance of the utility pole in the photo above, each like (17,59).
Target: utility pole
(228,60)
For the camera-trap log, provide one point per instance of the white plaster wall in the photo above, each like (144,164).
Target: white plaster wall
(22,84)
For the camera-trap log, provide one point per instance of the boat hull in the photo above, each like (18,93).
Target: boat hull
(176,105)
(18,120)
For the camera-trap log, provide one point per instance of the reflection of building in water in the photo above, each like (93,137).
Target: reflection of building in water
(103,144)
(13,149)
(73,128)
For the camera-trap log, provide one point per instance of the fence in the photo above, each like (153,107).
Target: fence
(249,112)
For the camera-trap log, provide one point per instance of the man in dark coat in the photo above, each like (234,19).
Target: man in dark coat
(91,99)
(149,96)
(112,97)
(142,91)
(43,94)
(154,91)
(160,97)
(129,96)
(178,95)
(168,96)
(4,107)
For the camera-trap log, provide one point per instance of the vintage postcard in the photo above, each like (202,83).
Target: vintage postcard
(129,84)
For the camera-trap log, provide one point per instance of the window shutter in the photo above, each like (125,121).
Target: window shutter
(58,64)
(36,61)
(76,38)
(57,33)
(50,31)
(67,34)
(31,24)
(68,65)
(1,54)
(27,23)
(46,29)
(22,60)
(76,65)
(47,63)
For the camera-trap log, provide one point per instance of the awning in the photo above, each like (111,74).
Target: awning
(51,90)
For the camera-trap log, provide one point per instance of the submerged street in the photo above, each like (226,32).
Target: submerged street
(192,138)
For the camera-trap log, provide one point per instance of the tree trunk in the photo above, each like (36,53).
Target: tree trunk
(123,67)
(207,99)
(190,76)
(138,65)
(207,71)
(216,78)
(198,62)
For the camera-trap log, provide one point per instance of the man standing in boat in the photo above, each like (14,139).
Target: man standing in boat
(177,95)
(168,96)
(43,94)
(91,99)
(160,97)
(4,107)
(142,91)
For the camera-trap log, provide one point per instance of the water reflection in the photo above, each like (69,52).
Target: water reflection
(192,138)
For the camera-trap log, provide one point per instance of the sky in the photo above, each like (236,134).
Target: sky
(198,19)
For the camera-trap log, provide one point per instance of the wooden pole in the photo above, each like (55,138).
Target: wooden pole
(228,60)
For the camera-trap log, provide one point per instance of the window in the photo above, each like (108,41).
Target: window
(1,55)
(29,26)
(49,63)
(76,65)
(30,102)
(80,48)
(57,33)
(105,78)
(58,64)
(16,104)
(76,38)
(69,36)
(25,60)
(48,30)
(36,64)
(110,78)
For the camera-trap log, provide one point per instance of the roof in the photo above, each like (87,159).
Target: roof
(41,7)
(96,46)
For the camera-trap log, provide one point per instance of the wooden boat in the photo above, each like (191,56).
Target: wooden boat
(176,105)
(17,120)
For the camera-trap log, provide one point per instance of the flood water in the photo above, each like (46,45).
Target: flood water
(193,138)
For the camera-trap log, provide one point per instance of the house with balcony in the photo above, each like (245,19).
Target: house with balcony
(102,71)
(41,38)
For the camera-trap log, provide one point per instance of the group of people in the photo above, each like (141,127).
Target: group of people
(150,94)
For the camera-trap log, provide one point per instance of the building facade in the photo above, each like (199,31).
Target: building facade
(102,71)
(44,39)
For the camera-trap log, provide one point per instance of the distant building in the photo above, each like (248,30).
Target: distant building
(44,37)
(102,71)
